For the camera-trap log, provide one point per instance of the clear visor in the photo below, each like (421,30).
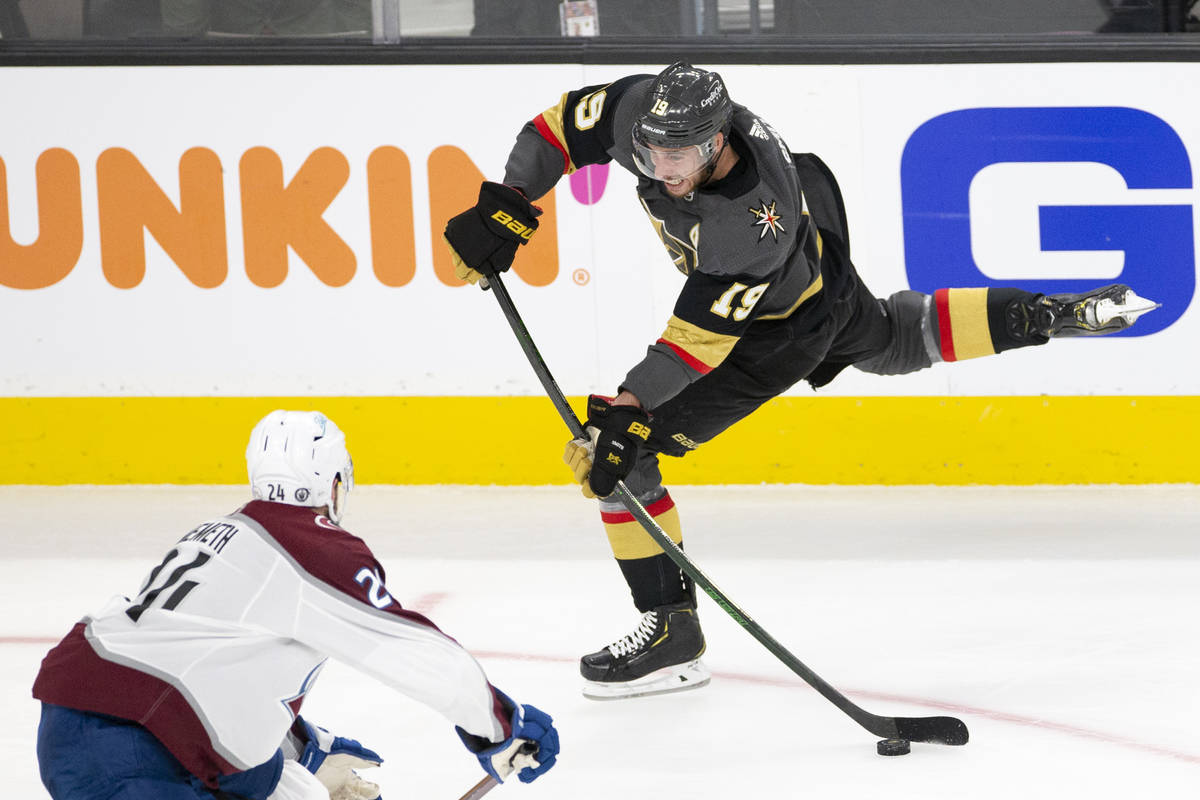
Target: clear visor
(341,488)
(673,164)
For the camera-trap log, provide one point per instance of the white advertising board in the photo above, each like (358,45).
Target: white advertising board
(1014,173)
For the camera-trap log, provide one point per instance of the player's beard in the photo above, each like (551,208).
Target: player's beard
(696,180)
(681,189)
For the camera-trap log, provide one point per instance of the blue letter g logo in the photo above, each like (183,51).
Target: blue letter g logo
(1008,196)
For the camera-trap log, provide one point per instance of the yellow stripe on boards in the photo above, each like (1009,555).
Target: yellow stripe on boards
(955,441)
(519,440)
(202,440)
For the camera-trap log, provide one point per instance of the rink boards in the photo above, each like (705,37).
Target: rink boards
(519,440)
(218,241)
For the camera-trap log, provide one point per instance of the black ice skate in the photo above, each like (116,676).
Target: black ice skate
(661,655)
(1100,311)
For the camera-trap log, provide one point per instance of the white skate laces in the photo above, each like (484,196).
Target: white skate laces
(633,642)
(648,660)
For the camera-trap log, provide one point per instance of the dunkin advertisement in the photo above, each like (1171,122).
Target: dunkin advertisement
(226,232)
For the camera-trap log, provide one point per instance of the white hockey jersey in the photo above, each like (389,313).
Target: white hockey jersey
(215,653)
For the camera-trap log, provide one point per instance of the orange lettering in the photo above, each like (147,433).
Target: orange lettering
(278,218)
(131,203)
(275,216)
(454,186)
(56,250)
(389,195)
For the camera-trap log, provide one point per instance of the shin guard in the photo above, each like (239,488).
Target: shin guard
(653,578)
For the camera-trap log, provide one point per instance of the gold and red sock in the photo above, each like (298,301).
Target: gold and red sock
(971,322)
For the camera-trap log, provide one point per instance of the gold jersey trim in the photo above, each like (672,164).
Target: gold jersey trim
(704,346)
(811,291)
(553,118)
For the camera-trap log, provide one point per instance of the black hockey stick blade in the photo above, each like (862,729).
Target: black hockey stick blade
(934,730)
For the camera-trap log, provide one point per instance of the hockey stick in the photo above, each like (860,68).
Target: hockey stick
(480,789)
(937,730)
(527,750)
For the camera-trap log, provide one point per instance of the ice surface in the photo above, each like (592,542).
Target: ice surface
(1059,623)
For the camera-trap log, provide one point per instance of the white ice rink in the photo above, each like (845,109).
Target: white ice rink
(1059,623)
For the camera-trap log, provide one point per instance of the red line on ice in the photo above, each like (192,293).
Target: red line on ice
(999,716)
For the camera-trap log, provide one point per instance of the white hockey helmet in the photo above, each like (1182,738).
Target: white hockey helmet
(300,458)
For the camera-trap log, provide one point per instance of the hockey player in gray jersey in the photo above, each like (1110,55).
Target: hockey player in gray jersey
(770,298)
(192,687)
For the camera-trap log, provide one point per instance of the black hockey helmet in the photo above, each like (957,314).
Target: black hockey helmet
(685,107)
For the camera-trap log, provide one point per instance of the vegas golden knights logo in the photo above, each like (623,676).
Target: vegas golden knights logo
(684,255)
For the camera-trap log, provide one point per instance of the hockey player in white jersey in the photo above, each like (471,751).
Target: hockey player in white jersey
(192,687)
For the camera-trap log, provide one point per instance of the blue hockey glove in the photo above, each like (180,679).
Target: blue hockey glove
(333,759)
(530,751)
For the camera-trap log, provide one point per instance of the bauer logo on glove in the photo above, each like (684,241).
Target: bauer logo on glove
(524,231)
(483,240)
(610,453)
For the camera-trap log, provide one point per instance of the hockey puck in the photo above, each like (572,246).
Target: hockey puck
(892,747)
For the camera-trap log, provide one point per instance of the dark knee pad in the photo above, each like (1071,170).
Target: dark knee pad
(645,478)
(914,344)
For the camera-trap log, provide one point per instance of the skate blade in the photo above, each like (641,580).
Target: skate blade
(1128,309)
(667,680)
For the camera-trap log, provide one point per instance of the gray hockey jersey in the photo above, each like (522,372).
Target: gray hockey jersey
(746,243)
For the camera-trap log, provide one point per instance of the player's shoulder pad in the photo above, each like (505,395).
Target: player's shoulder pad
(823,195)
(593,117)
(320,550)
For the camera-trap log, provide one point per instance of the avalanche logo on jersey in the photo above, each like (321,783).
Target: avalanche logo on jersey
(325,522)
(294,702)
(766,217)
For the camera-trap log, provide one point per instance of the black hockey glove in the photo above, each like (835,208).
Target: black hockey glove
(622,430)
(483,239)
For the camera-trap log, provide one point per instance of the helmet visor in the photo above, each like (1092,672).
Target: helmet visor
(672,164)
(343,482)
